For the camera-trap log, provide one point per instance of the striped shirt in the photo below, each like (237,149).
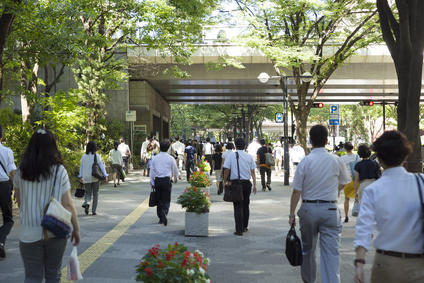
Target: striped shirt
(34,197)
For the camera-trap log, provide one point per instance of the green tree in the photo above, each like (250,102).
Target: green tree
(307,36)
(402,27)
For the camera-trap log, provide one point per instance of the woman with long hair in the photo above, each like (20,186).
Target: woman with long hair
(92,184)
(116,156)
(41,167)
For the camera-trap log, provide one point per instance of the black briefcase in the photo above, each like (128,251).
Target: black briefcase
(293,248)
(153,201)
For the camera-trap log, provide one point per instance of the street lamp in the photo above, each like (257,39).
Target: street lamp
(263,78)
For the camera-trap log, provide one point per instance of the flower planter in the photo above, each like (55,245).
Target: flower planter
(196,224)
(206,189)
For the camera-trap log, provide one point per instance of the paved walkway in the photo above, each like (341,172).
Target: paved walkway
(114,241)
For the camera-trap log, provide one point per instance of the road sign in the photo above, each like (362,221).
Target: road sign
(131,116)
(334,122)
(334,109)
(279,118)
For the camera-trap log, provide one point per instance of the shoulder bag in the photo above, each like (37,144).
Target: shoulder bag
(293,248)
(419,176)
(269,158)
(234,192)
(56,219)
(96,172)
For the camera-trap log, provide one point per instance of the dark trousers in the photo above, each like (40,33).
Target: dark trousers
(208,157)
(163,188)
(190,167)
(241,209)
(125,164)
(6,209)
(264,170)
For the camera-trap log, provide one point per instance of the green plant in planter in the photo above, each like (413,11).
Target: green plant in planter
(199,179)
(172,265)
(194,199)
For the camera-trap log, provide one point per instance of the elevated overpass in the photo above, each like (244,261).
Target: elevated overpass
(370,74)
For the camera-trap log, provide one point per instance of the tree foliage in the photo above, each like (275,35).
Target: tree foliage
(307,36)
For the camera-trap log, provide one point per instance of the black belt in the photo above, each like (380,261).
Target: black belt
(161,178)
(401,255)
(236,180)
(320,201)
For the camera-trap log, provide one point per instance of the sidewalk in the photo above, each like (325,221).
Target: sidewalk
(112,252)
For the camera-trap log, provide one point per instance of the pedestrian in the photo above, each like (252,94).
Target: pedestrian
(253,147)
(207,152)
(392,205)
(126,154)
(278,151)
(41,169)
(366,171)
(179,148)
(264,168)
(297,153)
(7,172)
(228,149)
(350,159)
(163,166)
(143,152)
(319,178)
(152,150)
(246,168)
(217,164)
(91,184)
(116,156)
(190,159)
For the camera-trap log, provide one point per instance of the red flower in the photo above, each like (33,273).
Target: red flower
(161,265)
(149,271)
(184,263)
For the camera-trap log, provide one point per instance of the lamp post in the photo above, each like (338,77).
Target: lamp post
(263,78)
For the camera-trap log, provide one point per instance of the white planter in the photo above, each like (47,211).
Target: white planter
(196,224)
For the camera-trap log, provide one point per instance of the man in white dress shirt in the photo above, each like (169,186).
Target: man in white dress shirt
(247,167)
(179,147)
(163,167)
(319,178)
(207,152)
(126,152)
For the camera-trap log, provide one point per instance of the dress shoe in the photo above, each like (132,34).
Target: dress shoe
(94,213)
(238,233)
(87,206)
(164,219)
(346,219)
(2,251)
(114,185)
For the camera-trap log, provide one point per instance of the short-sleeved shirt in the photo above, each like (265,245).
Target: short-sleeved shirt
(348,158)
(123,148)
(34,197)
(367,169)
(217,158)
(208,148)
(318,175)
(116,156)
(246,163)
(279,151)
(7,159)
(190,151)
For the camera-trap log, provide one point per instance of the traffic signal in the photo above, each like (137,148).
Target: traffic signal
(367,103)
(317,105)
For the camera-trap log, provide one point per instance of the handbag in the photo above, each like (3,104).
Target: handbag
(96,172)
(80,191)
(56,219)
(153,201)
(234,192)
(421,193)
(293,248)
(356,208)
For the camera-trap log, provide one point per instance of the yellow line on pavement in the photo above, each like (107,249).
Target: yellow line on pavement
(89,256)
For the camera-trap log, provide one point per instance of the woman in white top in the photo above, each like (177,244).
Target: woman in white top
(392,205)
(350,160)
(278,151)
(34,179)
(91,183)
(116,156)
